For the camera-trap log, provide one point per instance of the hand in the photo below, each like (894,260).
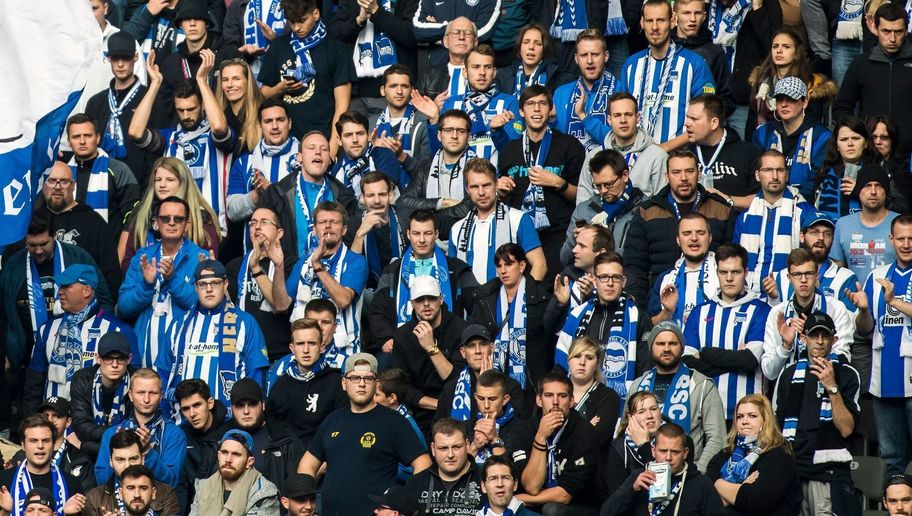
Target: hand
(501,119)
(166,267)
(362,17)
(758,4)
(75,504)
(267,30)
(449,203)
(388,346)
(752,478)
(153,71)
(149,269)
(259,181)
(74,441)
(769,286)
(370,6)
(847,186)
(595,420)
(145,437)
(441,99)
(505,185)
(6,499)
(108,512)
(823,370)
(888,294)
(370,220)
(585,284)
(785,331)
(637,431)
(318,255)
(251,50)
(8,365)
(156,6)
(549,424)
(541,177)
(860,299)
(669,298)
(275,253)
(562,290)
(580,106)
(644,481)
(208,57)
(487,363)
(425,334)
(486,427)
(426,106)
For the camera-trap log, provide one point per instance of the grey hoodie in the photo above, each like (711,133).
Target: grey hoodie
(647,174)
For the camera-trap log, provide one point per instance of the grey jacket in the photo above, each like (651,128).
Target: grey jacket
(647,174)
(707,418)
(588,211)
(262,498)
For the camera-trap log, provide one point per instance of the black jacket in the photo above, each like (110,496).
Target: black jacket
(879,85)
(445,400)
(434,81)
(733,170)
(506,76)
(296,409)
(280,457)
(82,411)
(434,496)
(651,247)
(74,462)
(754,41)
(698,498)
(776,492)
(382,316)
(201,460)
(415,196)
(539,343)
(714,55)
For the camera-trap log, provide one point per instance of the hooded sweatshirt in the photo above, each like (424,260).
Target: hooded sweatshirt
(644,157)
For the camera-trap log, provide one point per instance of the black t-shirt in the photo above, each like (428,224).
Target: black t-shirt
(565,159)
(369,445)
(662,384)
(275,325)
(299,407)
(733,167)
(312,107)
(8,480)
(46,273)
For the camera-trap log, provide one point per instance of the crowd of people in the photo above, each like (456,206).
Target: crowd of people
(478,257)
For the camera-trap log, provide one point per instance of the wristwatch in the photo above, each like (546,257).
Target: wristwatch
(833,390)
(433,351)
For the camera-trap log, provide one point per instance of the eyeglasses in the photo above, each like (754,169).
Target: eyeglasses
(257,223)
(499,478)
(770,170)
(120,359)
(458,130)
(802,275)
(168,219)
(537,103)
(206,285)
(59,183)
(605,186)
(466,33)
(355,378)
(610,278)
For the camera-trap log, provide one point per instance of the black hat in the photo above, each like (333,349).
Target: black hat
(218,270)
(819,321)
(397,499)
(193,10)
(246,389)
(40,496)
(59,404)
(121,44)
(869,173)
(475,331)
(896,480)
(299,485)
(113,342)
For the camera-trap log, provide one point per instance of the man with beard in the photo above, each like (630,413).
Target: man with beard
(138,487)
(400,127)
(365,437)
(77,223)
(897,498)
(276,454)
(692,280)
(358,155)
(695,33)
(380,236)
(274,158)
(778,207)
(202,138)
(103,183)
(488,108)
(686,397)
(538,173)
(127,457)
(237,487)
(299,495)
(452,484)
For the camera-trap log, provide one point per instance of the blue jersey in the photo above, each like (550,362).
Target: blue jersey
(685,76)
(482,140)
(891,345)
(485,237)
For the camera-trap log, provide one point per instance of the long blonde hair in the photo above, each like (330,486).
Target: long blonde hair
(633,403)
(187,191)
(770,436)
(586,343)
(250,124)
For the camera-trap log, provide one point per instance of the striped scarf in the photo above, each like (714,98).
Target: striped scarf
(510,343)
(820,305)
(725,23)
(402,130)
(654,109)
(155,425)
(22,484)
(36,302)
(118,410)
(792,409)
(113,141)
(499,233)
(295,372)
(97,189)
(67,346)
(688,298)
(848,25)
(676,405)
(274,161)
(521,82)
(456,186)
(533,202)
(274,18)
(407,272)
(208,165)
(162,34)
(306,238)
(801,170)
(570,19)
(374,52)
(596,106)
(746,452)
(350,170)
(769,233)
(304,71)
(552,466)
(244,278)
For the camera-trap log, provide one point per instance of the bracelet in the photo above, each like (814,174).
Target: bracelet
(563,187)
(539,447)
(257,274)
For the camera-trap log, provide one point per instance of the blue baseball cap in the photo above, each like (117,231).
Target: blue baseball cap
(813,217)
(239,436)
(218,270)
(78,273)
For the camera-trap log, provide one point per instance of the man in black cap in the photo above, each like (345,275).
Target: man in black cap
(897,497)
(215,341)
(396,501)
(299,495)
(155,25)
(276,453)
(817,408)
(39,502)
(99,394)
(113,108)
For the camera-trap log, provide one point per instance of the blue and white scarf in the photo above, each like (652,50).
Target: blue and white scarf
(304,71)
(831,200)
(402,130)
(521,82)
(510,343)
(155,425)
(707,285)
(615,24)
(848,25)
(725,23)
(398,243)
(274,161)
(161,33)
(552,467)
(533,202)
(295,372)
(820,305)
(499,233)
(769,233)
(482,455)
(474,104)
(737,468)
(118,410)
(374,52)
(461,410)
(653,110)
(97,189)
(407,273)
(306,237)
(225,336)
(456,184)
(22,484)
(676,405)
(610,210)
(351,170)
(274,18)
(792,410)
(208,165)
(113,142)
(255,294)
(68,346)
(570,19)
(36,302)
(596,106)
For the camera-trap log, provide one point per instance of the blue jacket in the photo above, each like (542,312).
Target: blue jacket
(165,463)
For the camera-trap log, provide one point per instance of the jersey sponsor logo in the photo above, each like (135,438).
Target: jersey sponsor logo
(203,348)
(368,440)
(709,88)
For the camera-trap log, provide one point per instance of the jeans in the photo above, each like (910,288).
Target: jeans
(738,119)
(894,420)
(844,52)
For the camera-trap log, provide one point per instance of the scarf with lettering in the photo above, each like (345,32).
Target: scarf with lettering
(37,304)
(433,188)
(118,411)
(67,355)
(655,109)
(374,52)
(22,484)
(533,202)
(97,189)
(162,34)
(274,18)
(482,455)
(305,71)
(402,130)
(195,148)
(551,471)
(474,104)
(113,141)
(848,25)
(570,19)
(351,170)
(676,405)
(737,468)
(510,343)
(398,243)
(830,199)
(439,270)
(155,425)
(461,409)
(224,333)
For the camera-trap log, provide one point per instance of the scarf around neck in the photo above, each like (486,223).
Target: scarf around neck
(305,71)
(113,141)
(533,202)
(676,405)
(510,342)
(439,270)
(746,452)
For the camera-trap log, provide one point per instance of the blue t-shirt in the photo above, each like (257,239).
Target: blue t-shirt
(861,248)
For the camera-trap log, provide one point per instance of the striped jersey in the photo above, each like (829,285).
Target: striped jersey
(685,75)
(832,280)
(891,346)
(481,139)
(485,238)
(732,327)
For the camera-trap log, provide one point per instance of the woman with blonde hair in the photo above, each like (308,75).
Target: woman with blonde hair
(240,99)
(595,402)
(632,447)
(170,176)
(755,473)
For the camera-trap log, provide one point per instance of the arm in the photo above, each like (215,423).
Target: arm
(818,35)
(398,26)
(140,121)
(536,259)
(348,21)
(139,23)
(342,97)
(421,463)
(427,31)
(555,494)
(167,464)
(218,123)
(849,94)
(741,361)
(714,427)
(309,464)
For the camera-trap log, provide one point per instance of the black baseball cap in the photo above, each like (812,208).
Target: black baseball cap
(121,44)
(475,331)
(113,342)
(40,496)
(246,389)
(819,321)
(218,270)
(397,499)
(59,404)
(896,480)
(299,485)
